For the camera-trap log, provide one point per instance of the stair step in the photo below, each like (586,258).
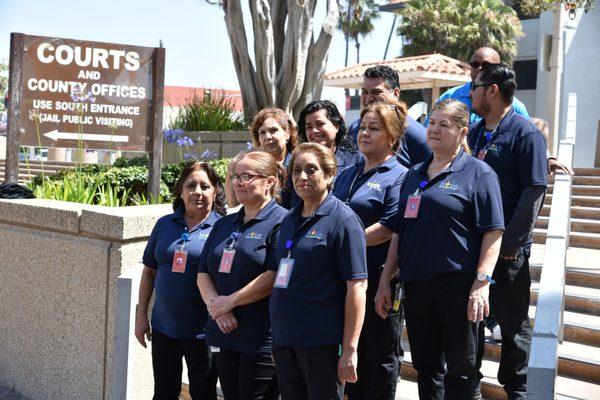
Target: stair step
(577,224)
(587,171)
(577,299)
(578,328)
(575,276)
(575,360)
(587,180)
(576,212)
(580,190)
(578,201)
(576,239)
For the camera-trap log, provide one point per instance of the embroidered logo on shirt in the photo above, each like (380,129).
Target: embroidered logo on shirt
(203,235)
(448,185)
(495,147)
(313,234)
(253,235)
(374,185)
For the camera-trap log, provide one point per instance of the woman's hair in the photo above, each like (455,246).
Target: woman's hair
(218,204)
(459,113)
(392,117)
(325,157)
(283,119)
(267,165)
(332,113)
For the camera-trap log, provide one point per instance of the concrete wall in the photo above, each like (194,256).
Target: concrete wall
(59,266)
(582,60)
(220,144)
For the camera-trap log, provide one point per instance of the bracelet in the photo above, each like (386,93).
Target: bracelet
(509,258)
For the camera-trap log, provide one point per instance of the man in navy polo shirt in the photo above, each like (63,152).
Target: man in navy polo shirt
(516,150)
(381,83)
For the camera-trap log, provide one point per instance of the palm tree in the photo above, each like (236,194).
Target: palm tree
(456,28)
(356,21)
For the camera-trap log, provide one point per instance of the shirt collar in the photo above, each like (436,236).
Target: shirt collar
(384,166)
(457,165)
(323,209)
(179,215)
(263,214)
(504,124)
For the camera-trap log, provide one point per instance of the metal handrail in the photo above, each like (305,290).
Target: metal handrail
(548,328)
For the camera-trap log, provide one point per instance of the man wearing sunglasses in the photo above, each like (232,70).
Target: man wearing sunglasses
(480,59)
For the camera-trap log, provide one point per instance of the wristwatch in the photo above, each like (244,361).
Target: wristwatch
(482,277)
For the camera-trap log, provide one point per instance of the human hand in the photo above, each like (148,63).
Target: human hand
(347,365)
(554,166)
(220,305)
(227,323)
(383,300)
(478,306)
(142,328)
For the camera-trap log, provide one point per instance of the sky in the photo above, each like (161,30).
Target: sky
(198,53)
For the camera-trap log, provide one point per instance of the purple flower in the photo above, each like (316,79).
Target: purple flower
(190,156)
(185,141)
(78,96)
(208,154)
(249,146)
(171,135)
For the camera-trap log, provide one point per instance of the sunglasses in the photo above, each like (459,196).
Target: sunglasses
(481,84)
(478,65)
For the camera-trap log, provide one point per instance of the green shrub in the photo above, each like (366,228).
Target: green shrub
(208,113)
(123,162)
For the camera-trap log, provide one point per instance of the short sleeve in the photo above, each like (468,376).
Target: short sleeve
(487,203)
(272,242)
(149,258)
(390,203)
(202,266)
(351,249)
(531,159)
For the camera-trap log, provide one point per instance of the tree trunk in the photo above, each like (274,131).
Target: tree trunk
(357,45)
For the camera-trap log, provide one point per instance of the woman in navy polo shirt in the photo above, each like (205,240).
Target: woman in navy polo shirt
(371,188)
(318,303)
(446,244)
(170,261)
(321,122)
(235,279)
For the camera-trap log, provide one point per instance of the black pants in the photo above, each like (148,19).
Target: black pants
(246,376)
(167,365)
(438,329)
(308,373)
(509,298)
(378,351)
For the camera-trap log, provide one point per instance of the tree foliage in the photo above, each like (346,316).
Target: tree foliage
(535,7)
(456,28)
(356,21)
(289,60)
(3,83)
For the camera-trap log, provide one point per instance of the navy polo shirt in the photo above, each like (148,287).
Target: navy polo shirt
(328,249)
(255,250)
(517,153)
(457,207)
(374,198)
(413,147)
(178,311)
(344,157)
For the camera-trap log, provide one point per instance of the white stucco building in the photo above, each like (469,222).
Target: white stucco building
(581,75)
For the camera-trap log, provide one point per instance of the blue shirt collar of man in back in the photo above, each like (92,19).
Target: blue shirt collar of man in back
(178,215)
(457,165)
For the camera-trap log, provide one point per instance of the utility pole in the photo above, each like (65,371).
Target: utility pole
(556,71)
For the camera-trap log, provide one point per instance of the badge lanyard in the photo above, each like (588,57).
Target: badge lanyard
(398,296)
(286,264)
(488,141)
(228,254)
(353,188)
(414,201)
(180,256)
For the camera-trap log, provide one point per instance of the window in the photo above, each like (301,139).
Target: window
(526,71)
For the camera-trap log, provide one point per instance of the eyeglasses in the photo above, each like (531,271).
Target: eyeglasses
(244,178)
(480,84)
(309,171)
(478,65)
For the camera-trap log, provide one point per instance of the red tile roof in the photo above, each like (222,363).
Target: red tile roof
(177,96)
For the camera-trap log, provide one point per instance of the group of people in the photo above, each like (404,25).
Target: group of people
(299,294)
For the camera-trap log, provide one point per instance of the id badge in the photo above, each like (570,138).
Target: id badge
(282,279)
(179,261)
(226,261)
(412,206)
(481,154)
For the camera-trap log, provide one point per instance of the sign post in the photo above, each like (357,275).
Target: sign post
(84,95)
